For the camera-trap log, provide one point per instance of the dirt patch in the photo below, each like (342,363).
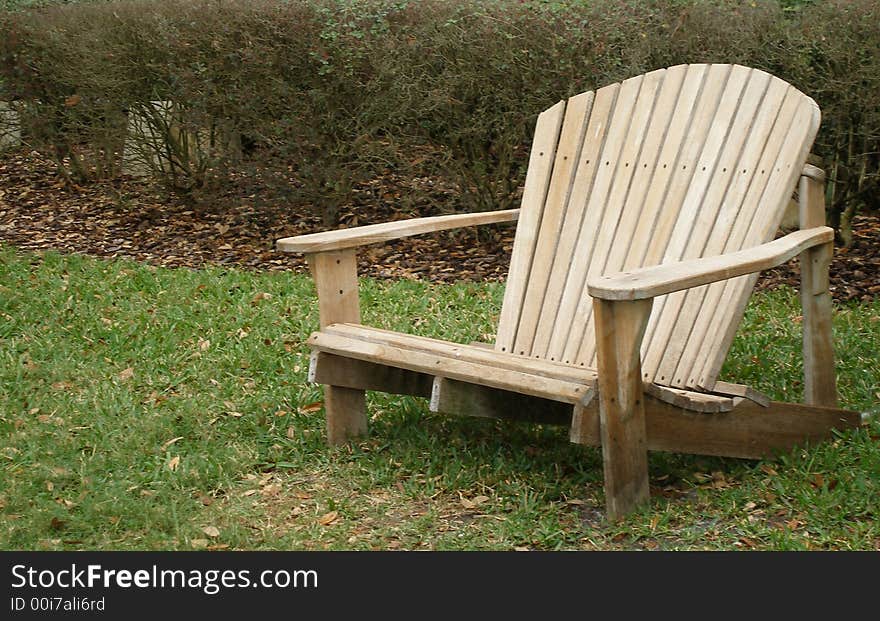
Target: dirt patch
(130,218)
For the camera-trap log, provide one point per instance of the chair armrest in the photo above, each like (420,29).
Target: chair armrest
(650,282)
(376,233)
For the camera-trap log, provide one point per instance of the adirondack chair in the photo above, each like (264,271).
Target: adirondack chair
(648,208)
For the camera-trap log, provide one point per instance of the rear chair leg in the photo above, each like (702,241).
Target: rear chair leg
(820,385)
(335,275)
(620,326)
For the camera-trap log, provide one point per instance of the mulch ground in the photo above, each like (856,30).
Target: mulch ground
(133,219)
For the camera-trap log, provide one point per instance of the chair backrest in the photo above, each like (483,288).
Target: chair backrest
(679,163)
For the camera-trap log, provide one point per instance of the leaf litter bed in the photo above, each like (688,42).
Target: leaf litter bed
(131,218)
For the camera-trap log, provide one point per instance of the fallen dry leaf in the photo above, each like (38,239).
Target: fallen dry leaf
(311,407)
(271,489)
(472,503)
(769,470)
(171,441)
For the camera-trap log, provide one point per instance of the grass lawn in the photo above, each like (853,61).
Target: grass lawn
(145,408)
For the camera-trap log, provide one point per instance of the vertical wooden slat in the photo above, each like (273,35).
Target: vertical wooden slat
(335,276)
(647,178)
(589,164)
(597,200)
(731,209)
(683,164)
(690,225)
(820,385)
(718,166)
(725,293)
(552,322)
(577,113)
(611,232)
(534,194)
(783,173)
(660,196)
(619,330)
(669,110)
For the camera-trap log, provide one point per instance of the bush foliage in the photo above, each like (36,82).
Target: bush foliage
(338,90)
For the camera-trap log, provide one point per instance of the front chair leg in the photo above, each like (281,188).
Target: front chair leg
(335,274)
(620,326)
(346,411)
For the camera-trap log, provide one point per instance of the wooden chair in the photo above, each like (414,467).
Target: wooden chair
(648,208)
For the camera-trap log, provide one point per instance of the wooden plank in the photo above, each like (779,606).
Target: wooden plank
(553,327)
(782,176)
(598,215)
(377,233)
(661,195)
(589,164)
(482,353)
(469,353)
(433,364)
(611,232)
(749,431)
(335,370)
(650,282)
(467,399)
(731,209)
(534,194)
(647,176)
(619,99)
(571,140)
(682,164)
(693,401)
(620,327)
(346,413)
(335,276)
(724,298)
(739,390)
(720,164)
(695,217)
(820,384)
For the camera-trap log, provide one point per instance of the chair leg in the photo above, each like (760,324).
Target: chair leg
(820,385)
(346,412)
(620,326)
(336,281)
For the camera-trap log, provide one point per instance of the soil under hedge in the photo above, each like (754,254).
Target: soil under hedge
(130,218)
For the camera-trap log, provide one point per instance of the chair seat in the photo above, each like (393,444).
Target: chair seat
(478,364)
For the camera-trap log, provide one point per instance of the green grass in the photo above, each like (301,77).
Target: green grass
(140,406)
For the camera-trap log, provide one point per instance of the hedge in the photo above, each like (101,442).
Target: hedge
(330,93)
